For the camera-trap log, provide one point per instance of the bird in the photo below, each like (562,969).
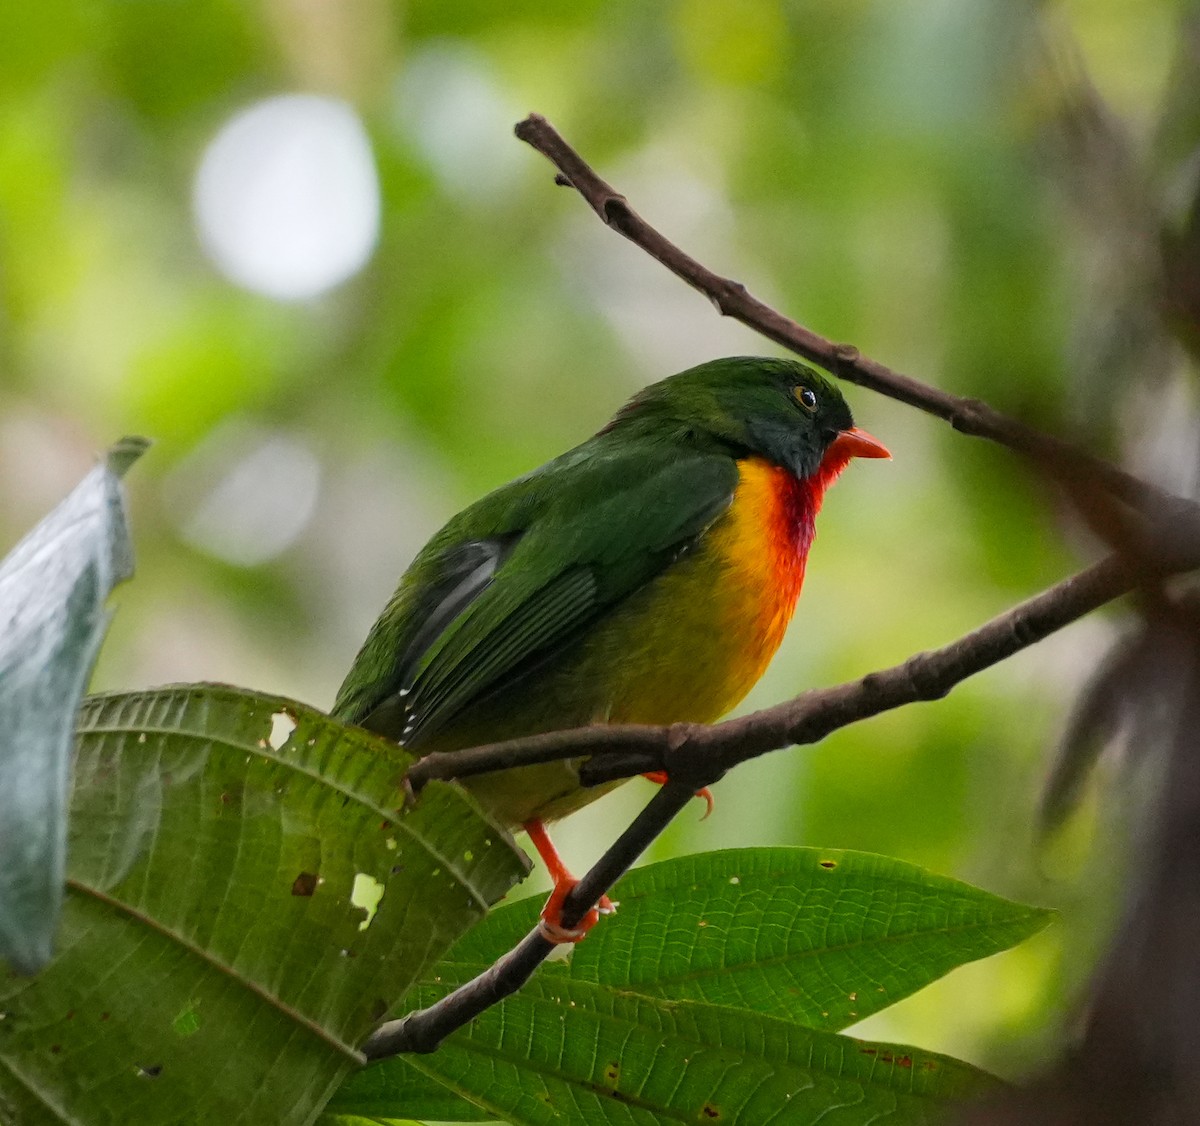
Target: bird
(646,576)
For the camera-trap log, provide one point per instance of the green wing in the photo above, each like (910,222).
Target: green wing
(516,578)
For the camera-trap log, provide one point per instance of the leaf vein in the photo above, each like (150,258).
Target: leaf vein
(264,995)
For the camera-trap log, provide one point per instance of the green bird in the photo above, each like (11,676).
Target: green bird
(645,576)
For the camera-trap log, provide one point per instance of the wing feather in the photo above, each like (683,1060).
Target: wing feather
(522,574)
(536,625)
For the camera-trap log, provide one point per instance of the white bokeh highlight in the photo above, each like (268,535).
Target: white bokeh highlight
(450,105)
(245,494)
(286,198)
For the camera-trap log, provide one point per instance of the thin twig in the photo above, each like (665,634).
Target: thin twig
(732,299)
(550,746)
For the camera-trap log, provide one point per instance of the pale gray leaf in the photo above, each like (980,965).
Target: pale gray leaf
(53,587)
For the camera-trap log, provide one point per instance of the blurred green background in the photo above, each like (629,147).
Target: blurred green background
(344,315)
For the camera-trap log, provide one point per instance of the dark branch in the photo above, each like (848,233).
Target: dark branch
(531,750)
(732,299)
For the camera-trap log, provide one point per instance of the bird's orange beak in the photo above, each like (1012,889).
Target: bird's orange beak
(856,443)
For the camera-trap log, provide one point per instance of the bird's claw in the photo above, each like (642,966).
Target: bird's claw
(550,925)
(659,777)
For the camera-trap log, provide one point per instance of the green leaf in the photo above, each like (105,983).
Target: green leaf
(213,965)
(394,1088)
(53,587)
(561,1052)
(822,937)
(359,1120)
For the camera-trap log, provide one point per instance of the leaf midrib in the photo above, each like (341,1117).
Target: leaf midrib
(193,948)
(38,1093)
(779,959)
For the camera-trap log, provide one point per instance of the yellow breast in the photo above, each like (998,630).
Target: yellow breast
(691,644)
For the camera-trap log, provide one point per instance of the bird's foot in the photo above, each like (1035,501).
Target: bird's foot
(551,925)
(659,777)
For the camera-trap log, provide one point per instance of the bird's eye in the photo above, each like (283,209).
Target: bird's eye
(806,398)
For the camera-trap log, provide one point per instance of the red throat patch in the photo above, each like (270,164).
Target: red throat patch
(792,523)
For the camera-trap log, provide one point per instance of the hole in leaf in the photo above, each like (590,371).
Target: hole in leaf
(366,895)
(304,884)
(282,726)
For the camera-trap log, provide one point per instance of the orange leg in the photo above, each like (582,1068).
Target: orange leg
(659,777)
(551,925)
